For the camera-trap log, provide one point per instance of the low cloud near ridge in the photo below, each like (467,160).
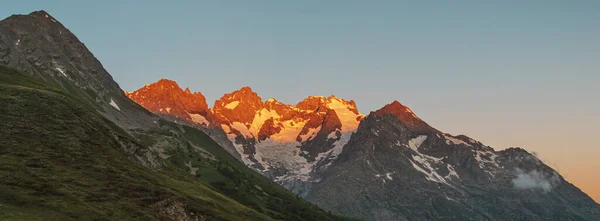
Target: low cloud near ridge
(535,180)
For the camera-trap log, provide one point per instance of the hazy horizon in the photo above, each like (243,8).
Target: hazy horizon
(508,74)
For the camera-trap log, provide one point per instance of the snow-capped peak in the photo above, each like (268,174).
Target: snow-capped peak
(343,109)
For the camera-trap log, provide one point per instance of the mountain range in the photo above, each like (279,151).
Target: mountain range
(75,146)
(387,165)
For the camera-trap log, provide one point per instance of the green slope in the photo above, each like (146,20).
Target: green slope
(61,160)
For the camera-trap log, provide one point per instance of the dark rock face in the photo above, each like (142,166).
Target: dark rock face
(394,168)
(268,129)
(40,45)
(321,142)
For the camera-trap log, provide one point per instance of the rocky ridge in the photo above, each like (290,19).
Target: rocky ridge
(390,164)
(282,141)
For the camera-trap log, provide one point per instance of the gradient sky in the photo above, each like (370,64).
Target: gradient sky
(507,73)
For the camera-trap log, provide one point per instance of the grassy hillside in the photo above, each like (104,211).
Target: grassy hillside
(61,160)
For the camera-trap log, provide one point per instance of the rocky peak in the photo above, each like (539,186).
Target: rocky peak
(395,108)
(166,97)
(346,111)
(283,110)
(311,103)
(40,45)
(353,107)
(404,115)
(244,94)
(36,18)
(350,105)
(272,100)
(164,84)
(40,13)
(238,106)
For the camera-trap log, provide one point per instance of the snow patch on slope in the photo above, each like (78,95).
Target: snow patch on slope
(238,147)
(416,142)
(480,157)
(61,71)
(430,175)
(284,155)
(232,105)
(451,172)
(347,117)
(451,140)
(411,112)
(311,134)
(113,104)
(259,119)
(304,173)
(389,176)
(332,135)
(289,132)
(197,118)
(375,131)
(242,129)
(338,145)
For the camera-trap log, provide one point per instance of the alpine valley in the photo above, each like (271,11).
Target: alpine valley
(74,146)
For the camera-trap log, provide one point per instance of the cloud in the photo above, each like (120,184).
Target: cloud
(535,180)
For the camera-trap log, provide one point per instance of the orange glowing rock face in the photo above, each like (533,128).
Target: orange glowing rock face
(166,97)
(238,106)
(404,115)
(243,113)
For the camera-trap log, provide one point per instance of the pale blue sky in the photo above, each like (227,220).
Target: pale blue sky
(508,73)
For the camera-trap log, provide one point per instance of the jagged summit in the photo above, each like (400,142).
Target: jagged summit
(163,82)
(397,109)
(245,89)
(238,106)
(166,97)
(403,114)
(244,94)
(40,12)
(311,103)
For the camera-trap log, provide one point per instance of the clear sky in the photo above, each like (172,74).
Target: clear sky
(507,73)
